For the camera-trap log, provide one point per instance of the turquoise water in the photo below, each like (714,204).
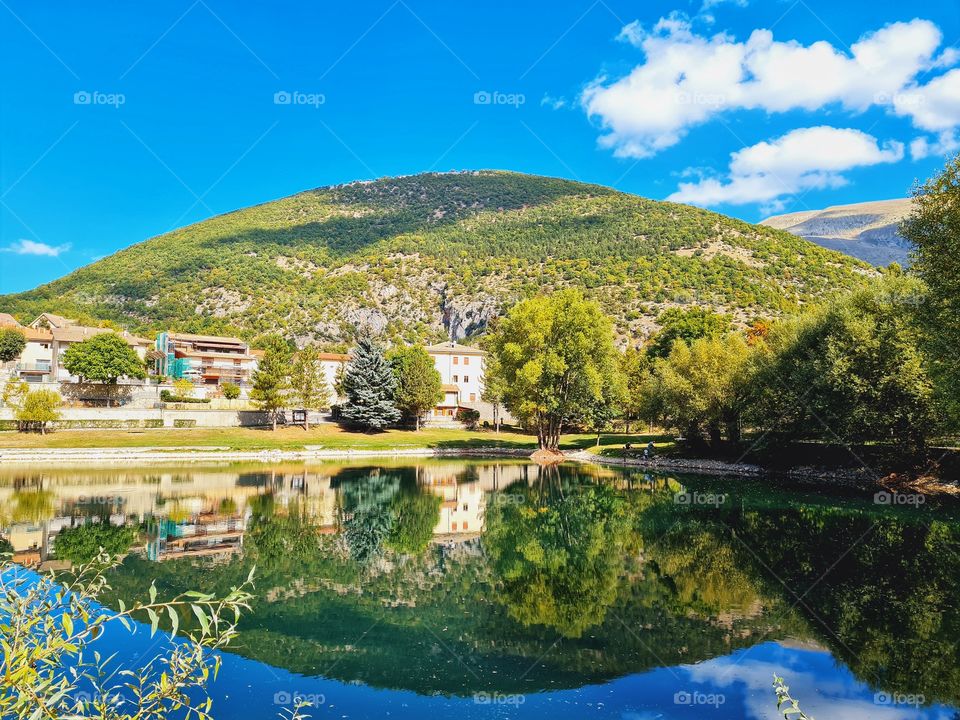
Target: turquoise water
(502,589)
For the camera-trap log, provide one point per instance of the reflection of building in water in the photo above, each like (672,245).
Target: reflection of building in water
(187,513)
(463,489)
(205,534)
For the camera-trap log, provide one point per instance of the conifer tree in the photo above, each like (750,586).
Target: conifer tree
(272,378)
(308,382)
(369,386)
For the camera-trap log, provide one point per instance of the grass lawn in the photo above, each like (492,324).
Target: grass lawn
(291,438)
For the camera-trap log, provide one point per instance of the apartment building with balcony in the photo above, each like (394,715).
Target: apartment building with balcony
(205,359)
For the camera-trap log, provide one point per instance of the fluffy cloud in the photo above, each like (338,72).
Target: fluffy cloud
(31,247)
(803,159)
(688,78)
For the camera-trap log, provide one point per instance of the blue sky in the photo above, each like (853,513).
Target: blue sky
(122,120)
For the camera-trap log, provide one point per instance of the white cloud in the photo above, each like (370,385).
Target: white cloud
(688,78)
(554,103)
(946,144)
(803,159)
(934,106)
(31,247)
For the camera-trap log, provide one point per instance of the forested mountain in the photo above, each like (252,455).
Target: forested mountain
(434,255)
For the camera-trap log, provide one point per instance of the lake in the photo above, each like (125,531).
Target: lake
(482,589)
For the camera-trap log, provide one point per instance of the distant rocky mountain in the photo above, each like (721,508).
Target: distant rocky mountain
(867,231)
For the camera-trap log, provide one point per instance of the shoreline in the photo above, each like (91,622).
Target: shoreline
(201,454)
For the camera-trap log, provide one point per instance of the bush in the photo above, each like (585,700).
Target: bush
(168,397)
(231,391)
(184,423)
(468,416)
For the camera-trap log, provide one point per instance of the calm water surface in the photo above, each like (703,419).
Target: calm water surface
(501,589)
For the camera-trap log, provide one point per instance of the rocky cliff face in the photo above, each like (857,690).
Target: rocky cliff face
(868,231)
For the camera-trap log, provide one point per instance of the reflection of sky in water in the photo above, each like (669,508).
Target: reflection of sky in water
(249,689)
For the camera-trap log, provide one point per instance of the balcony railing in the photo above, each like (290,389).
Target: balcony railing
(33,368)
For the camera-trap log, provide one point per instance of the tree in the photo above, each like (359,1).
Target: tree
(231,391)
(37,409)
(418,384)
(272,378)
(103,358)
(553,356)
(183,387)
(493,389)
(634,364)
(854,370)
(12,343)
(934,229)
(700,387)
(685,324)
(369,385)
(308,382)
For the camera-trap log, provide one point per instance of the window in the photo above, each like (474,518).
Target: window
(473,397)
(456,378)
(466,361)
(456,360)
(464,525)
(454,526)
(466,378)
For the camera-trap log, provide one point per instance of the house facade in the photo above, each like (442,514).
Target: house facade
(461,373)
(48,338)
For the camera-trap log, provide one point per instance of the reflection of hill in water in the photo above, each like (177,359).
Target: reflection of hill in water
(575,579)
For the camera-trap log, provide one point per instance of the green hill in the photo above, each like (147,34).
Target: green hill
(428,255)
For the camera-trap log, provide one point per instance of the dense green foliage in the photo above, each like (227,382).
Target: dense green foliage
(231,391)
(687,325)
(308,382)
(419,387)
(12,343)
(412,247)
(83,543)
(555,360)
(369,385)
(934,228)
(103,358)
(700,388)
(37,409)
(851,371)
(272,378)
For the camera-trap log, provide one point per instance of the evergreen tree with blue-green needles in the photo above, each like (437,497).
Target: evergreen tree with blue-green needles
(369,386)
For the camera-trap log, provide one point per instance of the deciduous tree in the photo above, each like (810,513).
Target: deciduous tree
(419,386)
(553,355)
(12,343)
(934,229)
(38,409)
(103,358)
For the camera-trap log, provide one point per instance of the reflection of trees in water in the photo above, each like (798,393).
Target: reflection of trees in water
(559,551)
(879,589)
(628,578)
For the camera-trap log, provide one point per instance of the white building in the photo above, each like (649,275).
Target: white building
(461,372)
